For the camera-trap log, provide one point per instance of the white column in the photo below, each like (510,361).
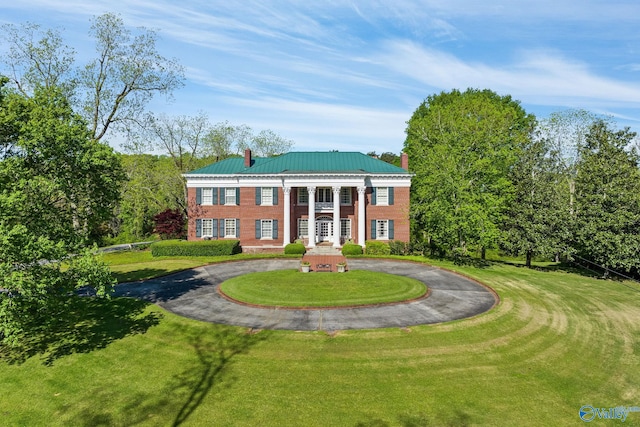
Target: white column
(287,216)
(312,216)
(336,217)
(361,219)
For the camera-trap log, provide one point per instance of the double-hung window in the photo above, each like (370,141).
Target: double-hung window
(207,196)
(230,196)
(382,229)
(230,227)
(303,196)
(267,229)
(345,196)
(267,196)
(382,196)
(303,227)
(207,228)
(345,228)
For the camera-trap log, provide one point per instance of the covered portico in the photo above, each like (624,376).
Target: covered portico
(332,206)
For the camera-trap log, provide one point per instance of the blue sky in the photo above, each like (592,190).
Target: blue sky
(347,75)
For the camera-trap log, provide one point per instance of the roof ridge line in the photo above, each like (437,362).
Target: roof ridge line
(266,161)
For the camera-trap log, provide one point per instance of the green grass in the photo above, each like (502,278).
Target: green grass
(555,342)
(291,288)
(130,266)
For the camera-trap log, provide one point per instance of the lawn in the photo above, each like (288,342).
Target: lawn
(556,341)
(130,266)
(291,288)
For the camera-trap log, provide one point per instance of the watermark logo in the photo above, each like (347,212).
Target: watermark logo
(589,413)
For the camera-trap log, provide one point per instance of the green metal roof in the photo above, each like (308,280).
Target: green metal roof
(300,163)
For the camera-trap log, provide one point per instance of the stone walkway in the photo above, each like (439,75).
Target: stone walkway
(193,293)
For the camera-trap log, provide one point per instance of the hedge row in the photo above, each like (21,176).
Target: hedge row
(196,248)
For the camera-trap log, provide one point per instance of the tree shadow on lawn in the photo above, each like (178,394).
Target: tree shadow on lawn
(214,350)
(88,324)
(215,353)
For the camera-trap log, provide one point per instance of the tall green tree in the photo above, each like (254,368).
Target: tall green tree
(461,146)
(112,90)
(566,132)
(37,58)
(537,219)
(608,198)
(56,185)
(55,177)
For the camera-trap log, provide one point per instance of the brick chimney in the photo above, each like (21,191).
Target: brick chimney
(247,158)
(404,161)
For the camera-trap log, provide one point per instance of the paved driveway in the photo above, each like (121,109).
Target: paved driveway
(194,294)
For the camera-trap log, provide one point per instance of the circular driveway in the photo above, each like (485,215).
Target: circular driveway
(194,294)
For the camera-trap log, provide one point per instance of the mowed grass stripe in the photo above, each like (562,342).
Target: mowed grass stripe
(555,342)
(291,288)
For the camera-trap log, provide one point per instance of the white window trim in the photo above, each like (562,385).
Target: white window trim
(382,201)
(262,234)
(379,222)
(227,227)
(204,227)
(207,196)
(263,192)
(348,222)
(300,221)
(230,196)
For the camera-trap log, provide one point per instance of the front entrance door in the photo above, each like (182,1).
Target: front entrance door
(324,229)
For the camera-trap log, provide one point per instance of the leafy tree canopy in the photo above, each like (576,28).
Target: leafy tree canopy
(55,178)
(537,219)
(112,90)
(56,185)
(461,146)
(608,198)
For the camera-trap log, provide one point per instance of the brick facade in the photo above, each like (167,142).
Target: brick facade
(386,207)
(247,211)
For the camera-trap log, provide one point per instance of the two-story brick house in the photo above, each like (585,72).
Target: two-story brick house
(270,202)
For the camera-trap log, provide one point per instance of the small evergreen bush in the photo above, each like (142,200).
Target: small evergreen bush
(295,249)
(351,249)
(196,248)
(373,247)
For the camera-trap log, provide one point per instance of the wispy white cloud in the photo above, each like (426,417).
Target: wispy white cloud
(314,124)
(533,75)
(336,74)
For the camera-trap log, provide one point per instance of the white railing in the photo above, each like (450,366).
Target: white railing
(324,206)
